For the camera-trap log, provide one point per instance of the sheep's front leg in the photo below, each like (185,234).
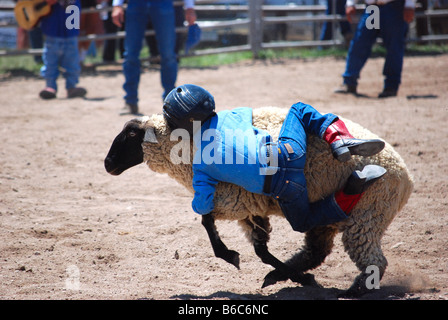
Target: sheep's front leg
(219,248)
(260,237)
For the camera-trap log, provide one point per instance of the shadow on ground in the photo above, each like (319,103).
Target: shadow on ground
(387,292)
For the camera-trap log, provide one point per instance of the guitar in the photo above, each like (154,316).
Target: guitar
(29,12)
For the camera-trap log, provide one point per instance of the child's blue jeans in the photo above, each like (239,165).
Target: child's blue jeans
(61,52)
(289,183)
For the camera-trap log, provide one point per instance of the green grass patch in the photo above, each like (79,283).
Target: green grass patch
(15,63)
(269,54)
(26,65)
(427,49)
(215,59)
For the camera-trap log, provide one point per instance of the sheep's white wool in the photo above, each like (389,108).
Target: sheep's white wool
(143,119)
(362,231)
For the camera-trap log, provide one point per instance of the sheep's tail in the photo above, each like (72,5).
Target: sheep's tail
(251,219)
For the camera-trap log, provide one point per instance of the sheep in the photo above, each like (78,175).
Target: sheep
(148,139)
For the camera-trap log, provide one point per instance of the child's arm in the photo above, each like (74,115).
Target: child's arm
(204,187)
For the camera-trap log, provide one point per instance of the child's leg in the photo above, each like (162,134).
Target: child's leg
(292,197)
(50,57)
(343,145)
(70,62)
(303,216)
(304,116)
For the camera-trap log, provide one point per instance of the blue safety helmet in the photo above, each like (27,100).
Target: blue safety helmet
(188,103)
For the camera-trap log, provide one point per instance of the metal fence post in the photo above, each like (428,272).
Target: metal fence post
(255,26)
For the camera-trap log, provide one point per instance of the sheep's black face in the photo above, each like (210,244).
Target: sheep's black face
(126,150)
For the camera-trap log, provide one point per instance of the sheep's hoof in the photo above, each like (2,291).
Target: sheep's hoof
(309,280)
(231,257)
(275,276)
(357,289)
(352,293)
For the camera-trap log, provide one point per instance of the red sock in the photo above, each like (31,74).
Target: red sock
(347,201)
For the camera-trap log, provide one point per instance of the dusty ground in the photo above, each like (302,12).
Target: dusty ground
(71,231)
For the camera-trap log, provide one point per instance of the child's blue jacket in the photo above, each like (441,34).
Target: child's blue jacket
(228,149)
(54,25)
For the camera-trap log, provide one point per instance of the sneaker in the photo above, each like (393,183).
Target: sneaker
(346,88)
(48,93)
(130,108)
(388,93)
(76,92)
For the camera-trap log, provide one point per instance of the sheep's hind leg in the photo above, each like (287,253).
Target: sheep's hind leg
(219,248)
(362,241)
(318,245)
(260,237)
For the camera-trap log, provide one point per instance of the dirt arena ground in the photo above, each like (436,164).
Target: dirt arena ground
(69,230)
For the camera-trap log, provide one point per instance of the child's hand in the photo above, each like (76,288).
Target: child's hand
(190,16)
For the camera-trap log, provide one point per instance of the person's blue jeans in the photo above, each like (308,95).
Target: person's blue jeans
(327,28)
(61,52)
(161,13)
(392,30)
(289,183)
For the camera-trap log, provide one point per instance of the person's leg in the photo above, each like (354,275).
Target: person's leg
(393,31)
(303,119)
(359,51)
(109,46)
(356,185)
(343,145)
(136,21)
(327,28)
(162,17)
(151,41)
(50,69)
(70,62)
(289,183)
(292,195)
(179,18)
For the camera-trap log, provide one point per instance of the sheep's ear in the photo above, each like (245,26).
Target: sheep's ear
(150,136)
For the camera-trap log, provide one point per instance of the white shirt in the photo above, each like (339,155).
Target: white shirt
(407,3)
(187,3)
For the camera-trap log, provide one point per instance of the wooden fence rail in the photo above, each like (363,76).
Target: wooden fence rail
(254,22)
